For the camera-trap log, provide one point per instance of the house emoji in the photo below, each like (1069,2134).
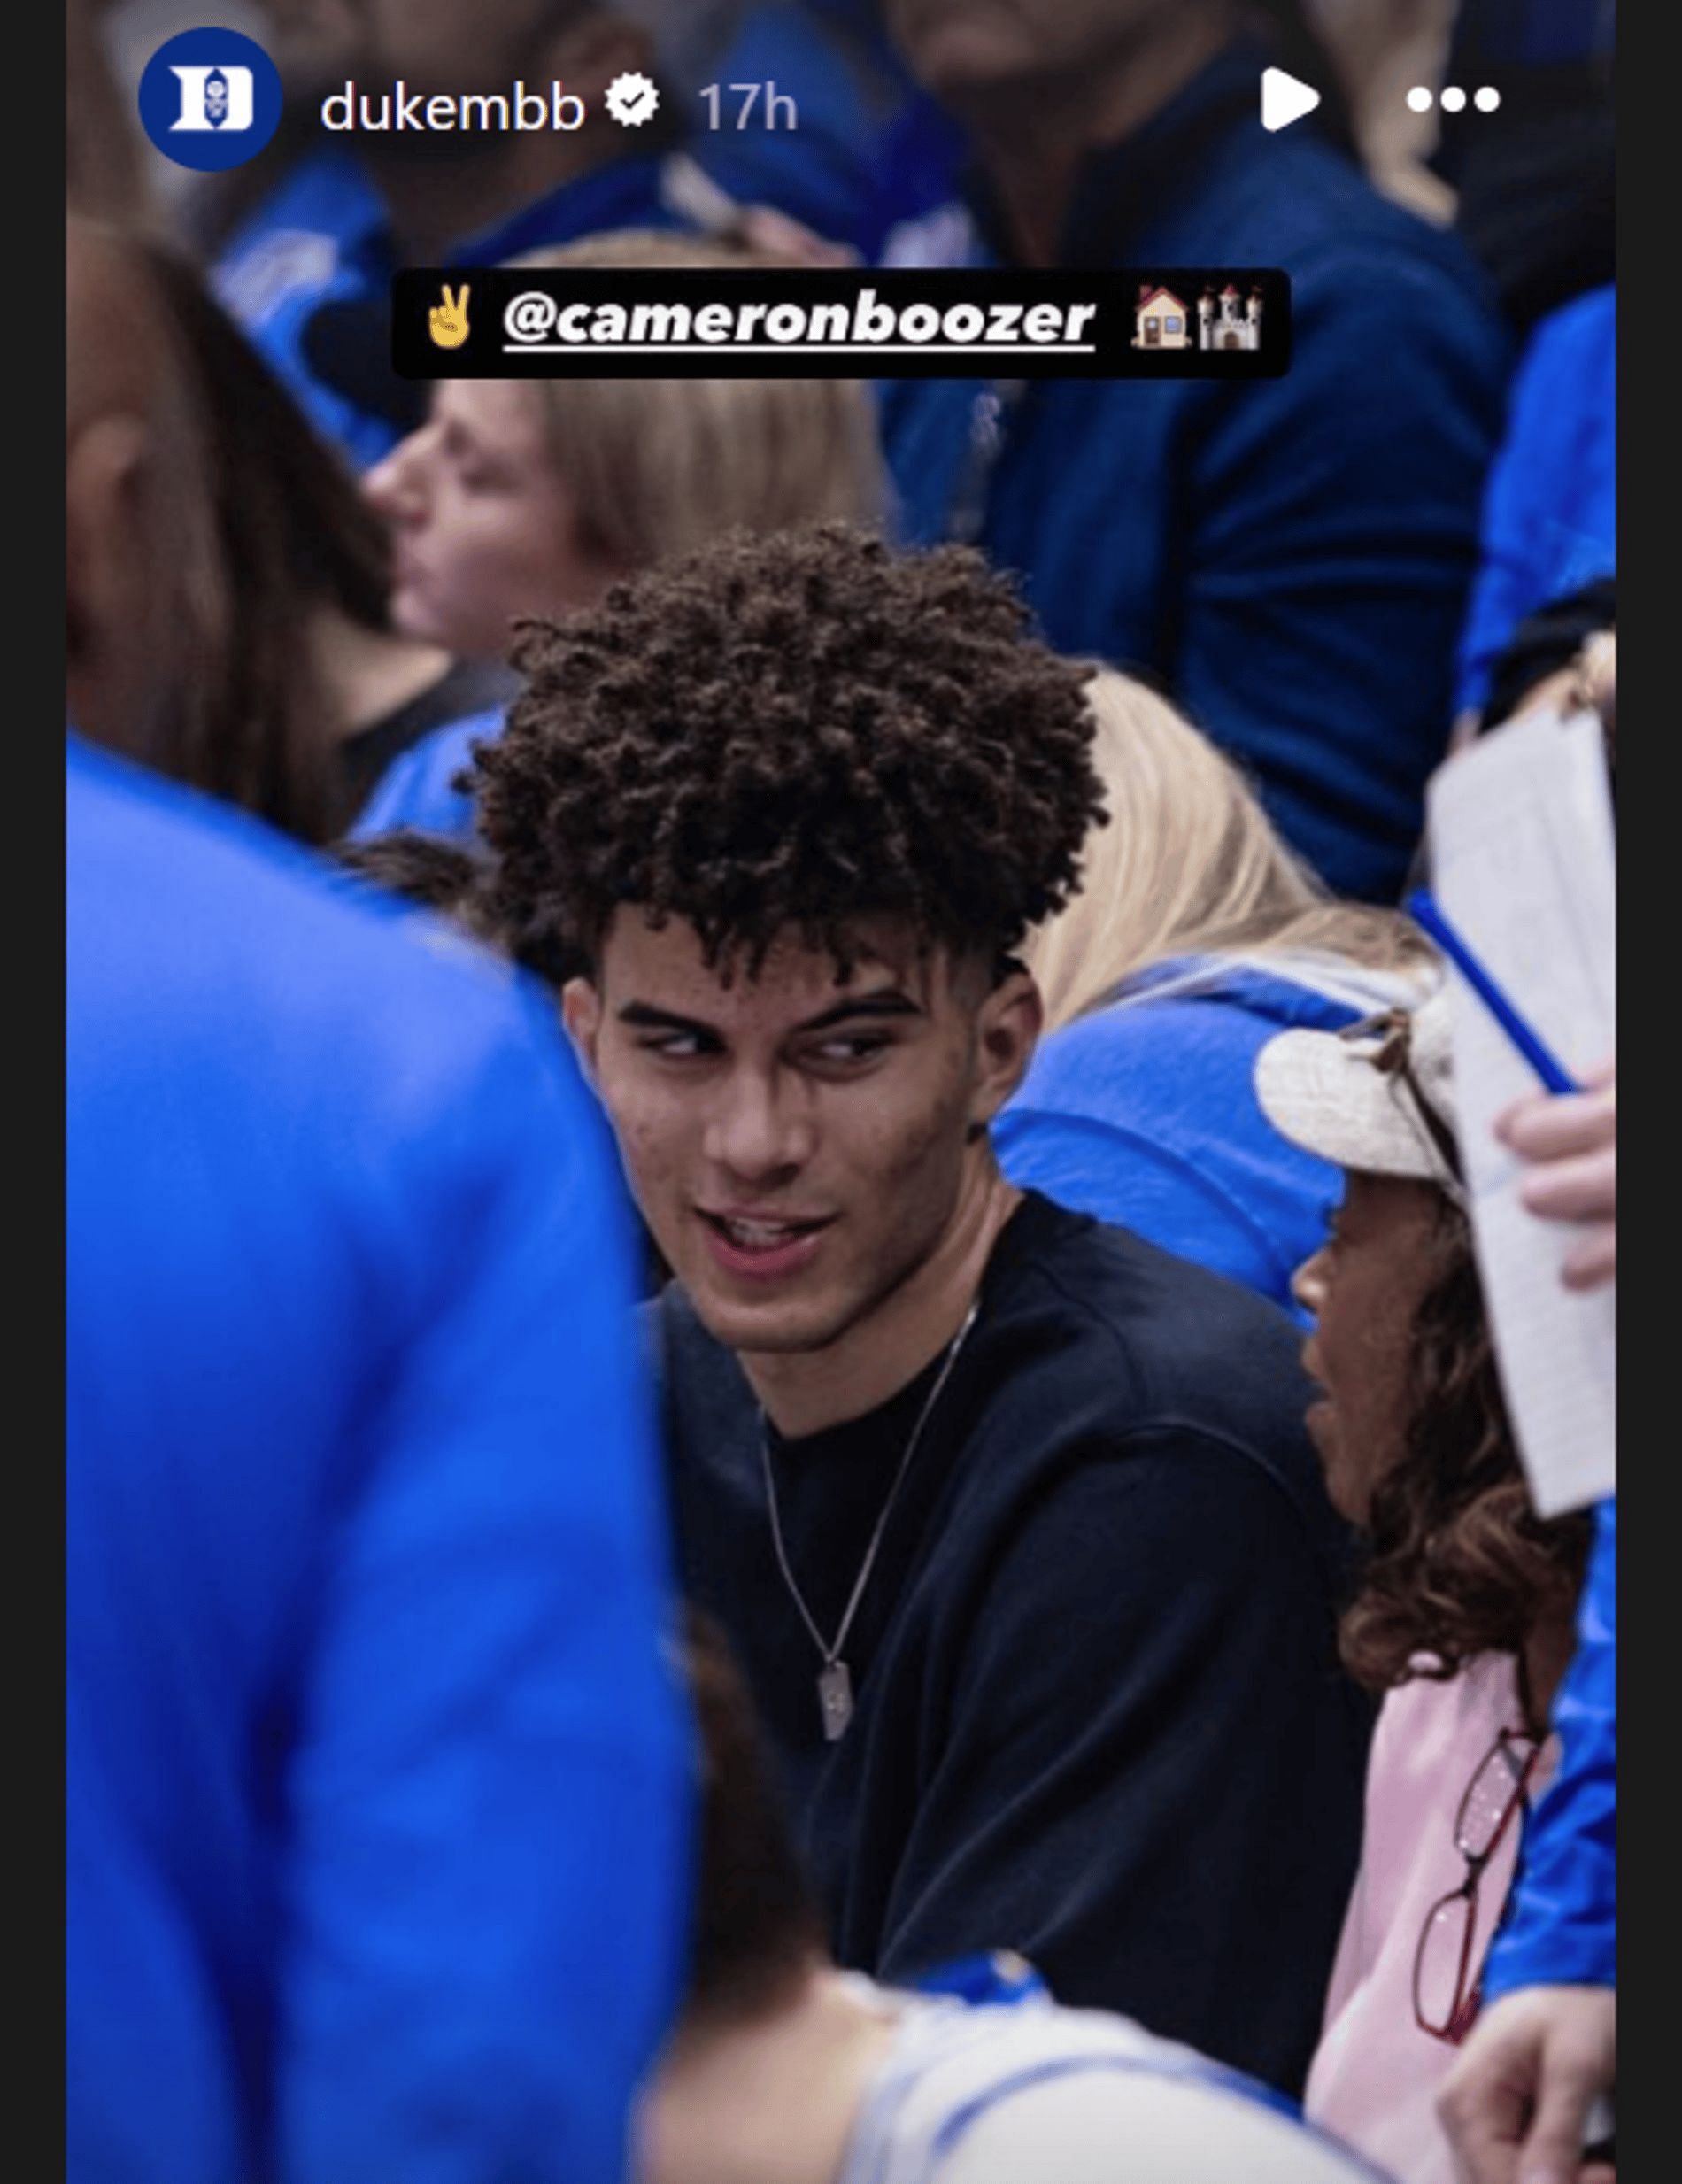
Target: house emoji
(1161,320)
(1229,320)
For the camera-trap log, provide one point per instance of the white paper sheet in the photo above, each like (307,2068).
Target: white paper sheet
(1523,865)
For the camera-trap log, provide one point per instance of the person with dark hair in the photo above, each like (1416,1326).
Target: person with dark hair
(784,2069)
(1463,1617)
(365,1556)
(429,870)
(1009,1516)
(228,584)
(308,271)
(436,872)
(1290,557)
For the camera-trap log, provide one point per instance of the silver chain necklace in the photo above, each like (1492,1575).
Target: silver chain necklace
(835,1678)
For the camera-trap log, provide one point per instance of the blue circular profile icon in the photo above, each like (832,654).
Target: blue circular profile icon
(210,100)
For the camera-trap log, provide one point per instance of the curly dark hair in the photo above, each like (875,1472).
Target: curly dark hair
(1460,1563)
(799,731)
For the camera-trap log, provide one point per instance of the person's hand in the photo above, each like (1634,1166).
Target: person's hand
(1571,1139)
(1516,2102)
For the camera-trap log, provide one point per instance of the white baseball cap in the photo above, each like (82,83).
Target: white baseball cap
(1377,1096)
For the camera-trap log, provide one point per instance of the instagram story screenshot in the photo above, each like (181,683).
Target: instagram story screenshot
(840,1091)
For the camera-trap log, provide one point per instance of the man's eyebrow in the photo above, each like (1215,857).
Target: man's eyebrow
(888,1002)
(644,1017)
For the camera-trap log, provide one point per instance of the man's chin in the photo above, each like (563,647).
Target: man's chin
(770,1327)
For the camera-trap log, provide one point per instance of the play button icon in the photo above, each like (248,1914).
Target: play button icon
(1284,99)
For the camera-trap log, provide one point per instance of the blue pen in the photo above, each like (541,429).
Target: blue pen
(1425,914)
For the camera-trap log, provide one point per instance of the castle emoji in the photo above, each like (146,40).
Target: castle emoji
(1227,321)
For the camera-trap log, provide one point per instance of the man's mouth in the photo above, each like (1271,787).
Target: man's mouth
(753,1233)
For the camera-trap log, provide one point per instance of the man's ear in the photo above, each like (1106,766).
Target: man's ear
(1007,1028)
(580,1011)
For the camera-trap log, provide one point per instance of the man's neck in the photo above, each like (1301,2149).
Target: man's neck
(1034,143)
(771,2102)
(804,1391)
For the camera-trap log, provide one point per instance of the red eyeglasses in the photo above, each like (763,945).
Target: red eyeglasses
(1446,1990)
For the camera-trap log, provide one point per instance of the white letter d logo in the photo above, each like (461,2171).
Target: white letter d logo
(213,98)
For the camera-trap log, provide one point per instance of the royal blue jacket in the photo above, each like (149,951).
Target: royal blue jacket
(375,1779)
(1291,556)
(1561,1928)
(323,235)
(1144,1114)
(1550,516)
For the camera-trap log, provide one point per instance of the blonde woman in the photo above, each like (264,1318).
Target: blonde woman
(1197,935)
(531,497)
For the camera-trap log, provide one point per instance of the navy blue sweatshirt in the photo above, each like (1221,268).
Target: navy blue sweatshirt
(1099,1715)
(1290,556)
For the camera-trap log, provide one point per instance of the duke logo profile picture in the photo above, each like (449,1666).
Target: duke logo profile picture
(210,100)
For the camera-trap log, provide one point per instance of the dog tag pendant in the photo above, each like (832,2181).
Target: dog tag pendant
(835,1700)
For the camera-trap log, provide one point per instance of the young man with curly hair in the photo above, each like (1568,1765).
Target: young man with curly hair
(1009,1517)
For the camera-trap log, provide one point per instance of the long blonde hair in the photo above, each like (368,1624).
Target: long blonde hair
(1189,865)
(657,467)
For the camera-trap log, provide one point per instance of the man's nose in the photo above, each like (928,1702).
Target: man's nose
(760,1132)
(1308,1283)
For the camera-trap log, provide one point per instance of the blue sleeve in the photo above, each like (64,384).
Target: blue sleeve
(1550,516)
(1562,1924)
(484,1916)
(1329,536)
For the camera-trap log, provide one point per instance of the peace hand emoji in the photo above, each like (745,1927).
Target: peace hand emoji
(447,322)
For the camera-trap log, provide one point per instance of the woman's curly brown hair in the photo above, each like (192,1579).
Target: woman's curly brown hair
(1460,1563)
(797,731)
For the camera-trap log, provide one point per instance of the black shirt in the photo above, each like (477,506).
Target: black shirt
(1099,1715)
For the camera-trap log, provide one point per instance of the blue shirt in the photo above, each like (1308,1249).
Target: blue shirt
(1144,1114)
(375,1777)
(1561,1927)
(418,789)
(323,235)
(1291,556)
(1550,516)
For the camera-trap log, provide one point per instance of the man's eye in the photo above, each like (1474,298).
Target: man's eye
(854,1048)
(672,1045)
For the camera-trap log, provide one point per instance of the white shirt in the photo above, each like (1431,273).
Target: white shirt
(1029,2092)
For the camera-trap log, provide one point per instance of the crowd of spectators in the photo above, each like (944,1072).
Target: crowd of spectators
(787,1460)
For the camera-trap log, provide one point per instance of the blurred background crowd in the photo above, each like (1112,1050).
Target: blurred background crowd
(1070,1358)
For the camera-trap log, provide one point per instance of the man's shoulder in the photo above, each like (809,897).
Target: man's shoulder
(317,981)
(1149,1330)
(1087,1336)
